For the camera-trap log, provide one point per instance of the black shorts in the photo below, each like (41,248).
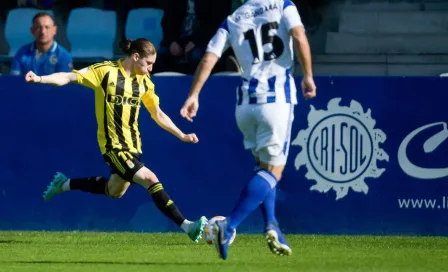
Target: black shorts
(123,163)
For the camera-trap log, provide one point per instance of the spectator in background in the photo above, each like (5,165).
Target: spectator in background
(188,25)
(44,4)
(43,56)
(310,14)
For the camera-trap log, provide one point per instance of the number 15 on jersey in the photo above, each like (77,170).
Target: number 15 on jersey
(271,43)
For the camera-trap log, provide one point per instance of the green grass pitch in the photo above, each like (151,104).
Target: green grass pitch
(98,251)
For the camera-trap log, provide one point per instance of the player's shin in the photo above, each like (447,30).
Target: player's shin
(164,203)
(252,195)
(268,207)
(94,185)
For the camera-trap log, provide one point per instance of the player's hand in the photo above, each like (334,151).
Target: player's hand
(176,50)
(190,46)
(190,108)
(31,77)
(308,87)
(190,138)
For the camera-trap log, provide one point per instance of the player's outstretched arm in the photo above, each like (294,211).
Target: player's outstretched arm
(203,71)
(302,48)
(165,122)
(57,79)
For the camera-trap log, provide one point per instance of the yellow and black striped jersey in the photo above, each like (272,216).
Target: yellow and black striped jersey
(117,104)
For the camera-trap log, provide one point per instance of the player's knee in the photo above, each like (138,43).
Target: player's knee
(145,177)
(276,170)
(117,195)
(116,192)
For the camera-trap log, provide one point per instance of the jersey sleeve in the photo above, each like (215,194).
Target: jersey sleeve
(291,15)
(220,42)
(88,77)
(16,67)
(150,98)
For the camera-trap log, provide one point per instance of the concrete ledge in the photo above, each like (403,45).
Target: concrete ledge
(386,6)
(380,58)
(394,22)
(350,69)
(386,43)
(416,69)
(349,58)
(371,69)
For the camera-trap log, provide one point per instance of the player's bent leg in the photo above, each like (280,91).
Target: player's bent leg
(276,241)
(222,238)
(165,204)
(277,170)
(145,177)
(61,183)
(252,195)
(267,207)
(117,186)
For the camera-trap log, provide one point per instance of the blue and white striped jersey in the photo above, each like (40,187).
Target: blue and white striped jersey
(258,32)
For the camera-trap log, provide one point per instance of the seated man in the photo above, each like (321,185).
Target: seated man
(187,26)
(44,56)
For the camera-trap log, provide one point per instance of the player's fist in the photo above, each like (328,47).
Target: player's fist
(190,108)
(190,138)
(308,87)
(31,77)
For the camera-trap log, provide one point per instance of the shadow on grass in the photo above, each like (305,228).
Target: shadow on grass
(14,242)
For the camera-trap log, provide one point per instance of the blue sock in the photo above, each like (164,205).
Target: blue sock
(251,197)
(268,207)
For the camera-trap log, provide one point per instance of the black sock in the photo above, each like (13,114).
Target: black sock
(165,204)
(94,185)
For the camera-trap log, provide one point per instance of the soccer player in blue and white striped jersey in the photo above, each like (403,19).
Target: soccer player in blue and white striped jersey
(263,35)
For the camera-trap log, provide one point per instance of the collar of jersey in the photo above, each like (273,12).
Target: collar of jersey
(120,66)
(33,47)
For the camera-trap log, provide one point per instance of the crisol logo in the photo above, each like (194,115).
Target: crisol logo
(340,148)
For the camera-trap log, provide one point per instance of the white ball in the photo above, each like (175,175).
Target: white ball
(210,230)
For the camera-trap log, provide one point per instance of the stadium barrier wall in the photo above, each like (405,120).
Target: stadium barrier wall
(368,156)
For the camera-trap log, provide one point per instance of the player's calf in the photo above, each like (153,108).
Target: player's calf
(60,183)
(166,205)
(115,187)
(93,185)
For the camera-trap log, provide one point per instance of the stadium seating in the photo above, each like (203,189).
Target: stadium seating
(145,23)
(91,33)
(377,37)
(17,28)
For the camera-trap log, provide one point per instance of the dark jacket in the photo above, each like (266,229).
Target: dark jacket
(209,16)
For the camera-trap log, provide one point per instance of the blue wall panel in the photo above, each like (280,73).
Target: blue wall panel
(349,143)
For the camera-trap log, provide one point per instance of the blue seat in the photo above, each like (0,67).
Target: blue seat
(145,23)
(17,28)
(92,33)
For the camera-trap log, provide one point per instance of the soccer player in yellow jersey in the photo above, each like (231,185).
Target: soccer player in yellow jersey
(119,88)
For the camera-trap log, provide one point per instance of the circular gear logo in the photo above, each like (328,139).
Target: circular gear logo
(340,148)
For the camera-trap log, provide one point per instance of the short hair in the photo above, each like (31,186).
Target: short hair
(42,14)
(141,46)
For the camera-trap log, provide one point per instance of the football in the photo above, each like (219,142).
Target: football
(209,230)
